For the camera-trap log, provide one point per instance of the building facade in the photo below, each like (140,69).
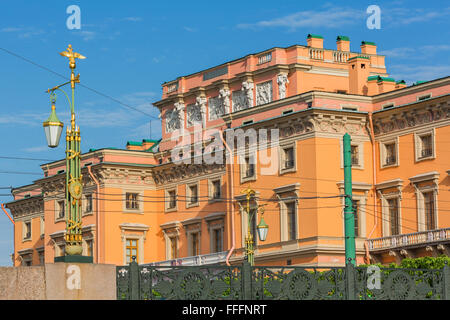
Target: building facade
(274,121)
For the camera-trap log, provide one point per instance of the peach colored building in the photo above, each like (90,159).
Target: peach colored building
(166,203)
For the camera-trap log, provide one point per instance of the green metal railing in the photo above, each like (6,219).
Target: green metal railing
(244,282)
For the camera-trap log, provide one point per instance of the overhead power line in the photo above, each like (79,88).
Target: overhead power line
(80,84)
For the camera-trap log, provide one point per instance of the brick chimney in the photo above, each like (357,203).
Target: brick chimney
(315,41)
(368,47)
(358,72)
(343,43)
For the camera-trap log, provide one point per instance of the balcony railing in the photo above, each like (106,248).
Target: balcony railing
(203,259)
(409,239)
(316,54)
(265,58)
(339,56)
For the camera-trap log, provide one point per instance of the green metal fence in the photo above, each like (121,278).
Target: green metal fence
(244,282)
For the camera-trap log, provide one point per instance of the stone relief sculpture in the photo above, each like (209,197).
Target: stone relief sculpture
(239,100)
(194,115)
(282,81)
(224,95)
(247,87)
(172,118)
(216,108)
(264,93)
(179,106)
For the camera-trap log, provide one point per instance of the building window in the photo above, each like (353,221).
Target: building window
(424,97)
(429,206)
(27,230)
(389,153)
(195,244)
(424,142)
(215,190)
(173,248)
(42,225)
(249,168)
(394,218)
(291,214)
(287,158)
(61,209)
(356,208)
(88,200)
(171,199)
(193,194)
(216,240)
(426,146)
(355,155)
(131,250)
(131,201)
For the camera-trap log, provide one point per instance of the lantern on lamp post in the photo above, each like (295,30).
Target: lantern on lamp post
(73,188)
(262,228)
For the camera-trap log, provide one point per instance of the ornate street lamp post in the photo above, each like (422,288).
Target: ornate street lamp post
(262,227)
(53,128)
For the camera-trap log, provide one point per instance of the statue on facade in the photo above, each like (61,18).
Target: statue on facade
(282,81)
(247,87)
(224,95)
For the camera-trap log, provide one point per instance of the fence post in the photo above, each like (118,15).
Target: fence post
(446,271)
(350,280)
(246,275)
(134,280)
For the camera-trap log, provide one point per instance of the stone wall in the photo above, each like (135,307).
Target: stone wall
(59,281)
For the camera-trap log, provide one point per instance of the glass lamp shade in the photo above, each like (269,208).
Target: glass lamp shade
(262,228)
(53,129)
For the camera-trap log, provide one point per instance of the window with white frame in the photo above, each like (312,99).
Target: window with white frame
(192,195)
(173,248)
(291,215)
(217,240)
(356,153)
(287,199)
(424,145)
(390,193)
(389,153)
(26,235)
(215,192)
(287,158)
(61,208)
(248,167)
(426,186)
(429,208)
(194,243)
(394,217)
(42,225)
(88,203)
(171,200)
(131,201)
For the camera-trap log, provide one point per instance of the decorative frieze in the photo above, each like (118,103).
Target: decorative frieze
(184,171)
(411,118)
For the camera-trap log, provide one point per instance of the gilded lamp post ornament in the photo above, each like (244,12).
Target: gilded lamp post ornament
(74,188)
(262,227)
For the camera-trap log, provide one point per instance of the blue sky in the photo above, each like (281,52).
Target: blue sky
(132,47)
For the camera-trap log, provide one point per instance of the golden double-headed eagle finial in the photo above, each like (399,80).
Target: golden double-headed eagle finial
(72,56)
